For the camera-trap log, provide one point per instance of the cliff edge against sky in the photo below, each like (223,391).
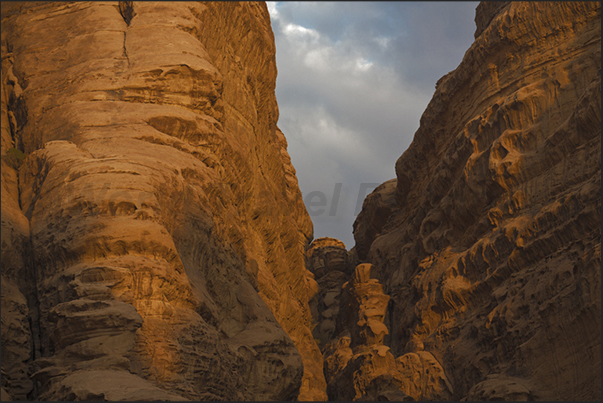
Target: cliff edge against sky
(488,242)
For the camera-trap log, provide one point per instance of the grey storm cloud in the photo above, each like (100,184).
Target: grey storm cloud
(353,80)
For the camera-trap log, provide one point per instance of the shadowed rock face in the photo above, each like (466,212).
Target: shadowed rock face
(492,255)
(153,237)
(329,262)
(377,207)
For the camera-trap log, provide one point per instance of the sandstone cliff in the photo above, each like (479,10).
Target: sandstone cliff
(153,232)
(155,244)
(490,245)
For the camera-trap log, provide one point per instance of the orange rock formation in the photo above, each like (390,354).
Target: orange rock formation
(154,234)
(155,245)
(491,252)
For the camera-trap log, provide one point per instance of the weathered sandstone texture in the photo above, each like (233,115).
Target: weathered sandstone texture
(155,245)
(330,263)
(153,232)
(490,246)
(357,363)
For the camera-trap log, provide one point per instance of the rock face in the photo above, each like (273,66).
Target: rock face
(377,207)
(153,232)
(155,245)
(358,366)
(492,253)
(329,261)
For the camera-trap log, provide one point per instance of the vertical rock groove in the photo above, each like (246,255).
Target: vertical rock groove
(126,9)
(126,50)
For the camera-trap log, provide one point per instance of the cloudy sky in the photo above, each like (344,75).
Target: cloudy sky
(353,80)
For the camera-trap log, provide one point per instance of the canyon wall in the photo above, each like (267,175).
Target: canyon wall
(488,241)
(153,231)
(155,245)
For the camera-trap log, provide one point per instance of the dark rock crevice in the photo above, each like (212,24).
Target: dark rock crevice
(125,50)
(30,286)
(126,9)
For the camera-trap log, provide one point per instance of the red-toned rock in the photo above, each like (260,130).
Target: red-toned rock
(155,245)
(492,256)
(154,234)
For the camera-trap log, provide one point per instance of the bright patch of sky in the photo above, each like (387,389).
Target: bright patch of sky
(353,80)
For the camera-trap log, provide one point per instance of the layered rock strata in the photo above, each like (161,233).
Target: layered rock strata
(153,229)
(492,254)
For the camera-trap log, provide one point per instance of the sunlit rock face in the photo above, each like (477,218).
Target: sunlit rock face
(492,254)
(153,232)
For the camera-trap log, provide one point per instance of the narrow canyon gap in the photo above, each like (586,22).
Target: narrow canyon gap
(155,245)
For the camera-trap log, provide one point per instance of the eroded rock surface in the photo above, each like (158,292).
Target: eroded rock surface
(358,365)
(329,262)
(16,281)
(492,257)
(155,242)
(154,234)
